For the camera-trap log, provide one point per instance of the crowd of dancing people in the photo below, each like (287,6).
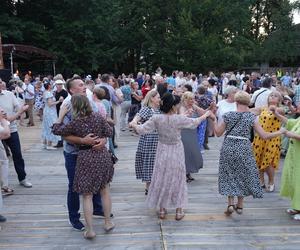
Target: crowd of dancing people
(174,117)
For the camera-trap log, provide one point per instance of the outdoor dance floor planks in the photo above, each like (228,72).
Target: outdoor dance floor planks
(37,217)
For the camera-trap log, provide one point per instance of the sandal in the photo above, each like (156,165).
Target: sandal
(162,214)
(89,235)
(229,210)
(189,178)
(239,210)
(179,216)
(7,191)
(292,211)
(108,227)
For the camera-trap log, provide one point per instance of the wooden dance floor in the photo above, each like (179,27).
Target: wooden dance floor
(37,217)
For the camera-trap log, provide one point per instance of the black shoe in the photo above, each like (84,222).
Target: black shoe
(115,146)
(2,218)
(206,147)
(77,225)
(59,144)
(101,215)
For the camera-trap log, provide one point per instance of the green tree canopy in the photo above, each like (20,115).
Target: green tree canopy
(126,36)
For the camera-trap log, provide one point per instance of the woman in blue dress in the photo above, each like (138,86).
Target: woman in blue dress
(49,117)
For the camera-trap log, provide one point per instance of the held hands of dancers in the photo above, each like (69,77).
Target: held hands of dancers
(23,108)
(132,124)
(213,107)
(283,131)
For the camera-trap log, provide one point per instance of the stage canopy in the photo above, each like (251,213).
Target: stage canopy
(27,53)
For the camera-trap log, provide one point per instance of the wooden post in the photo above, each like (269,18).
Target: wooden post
(1,55)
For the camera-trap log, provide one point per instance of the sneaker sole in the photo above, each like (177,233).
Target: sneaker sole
(75,229)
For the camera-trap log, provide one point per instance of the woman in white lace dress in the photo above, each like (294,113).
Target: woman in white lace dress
(168,187)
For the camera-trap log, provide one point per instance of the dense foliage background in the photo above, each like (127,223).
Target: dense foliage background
(130,35)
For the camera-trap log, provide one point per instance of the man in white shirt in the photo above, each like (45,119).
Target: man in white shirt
(10,105)
(228,104)
(29,100)
(260,97)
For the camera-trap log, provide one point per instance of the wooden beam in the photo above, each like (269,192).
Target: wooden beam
(1,55)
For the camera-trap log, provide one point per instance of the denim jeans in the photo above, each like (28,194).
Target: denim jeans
(73,200)
(13,142)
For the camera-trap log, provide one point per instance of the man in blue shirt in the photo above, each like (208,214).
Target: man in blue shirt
(286,80)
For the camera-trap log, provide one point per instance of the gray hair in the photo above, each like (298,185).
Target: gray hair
(230,89)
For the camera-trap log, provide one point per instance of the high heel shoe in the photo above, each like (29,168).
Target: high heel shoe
(229,210)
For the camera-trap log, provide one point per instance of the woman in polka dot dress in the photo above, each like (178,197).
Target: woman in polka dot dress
(238,174)
(267,152)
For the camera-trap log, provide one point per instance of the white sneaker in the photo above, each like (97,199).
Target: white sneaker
(271,188)
(296,217)
(51,148)
(25,183)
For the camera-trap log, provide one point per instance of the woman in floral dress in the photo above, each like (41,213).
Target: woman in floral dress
(39,103)
(49,117)
(94,168)
(168,187)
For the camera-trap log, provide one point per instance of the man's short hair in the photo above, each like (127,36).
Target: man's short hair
(267,83)
(70,82)
(105,78)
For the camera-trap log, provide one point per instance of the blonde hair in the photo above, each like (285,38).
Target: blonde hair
(187,95)
(147,100)
(278,94)
(242,97)
(81,106)
(99,93)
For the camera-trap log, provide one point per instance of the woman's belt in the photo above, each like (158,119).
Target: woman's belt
(237,137)
(85,147)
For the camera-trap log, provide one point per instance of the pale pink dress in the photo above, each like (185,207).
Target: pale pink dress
(168,187)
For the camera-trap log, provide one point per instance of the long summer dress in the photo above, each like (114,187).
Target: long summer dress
(145,154)
(238,174)
(290,179)
(168,188)
(267,152)
(49,117)
(192,151)
(94,168)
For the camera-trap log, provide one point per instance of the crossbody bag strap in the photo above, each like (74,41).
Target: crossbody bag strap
(227,133)
(258,96)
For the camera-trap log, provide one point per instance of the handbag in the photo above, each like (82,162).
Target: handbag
(251,135)
(114,158)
